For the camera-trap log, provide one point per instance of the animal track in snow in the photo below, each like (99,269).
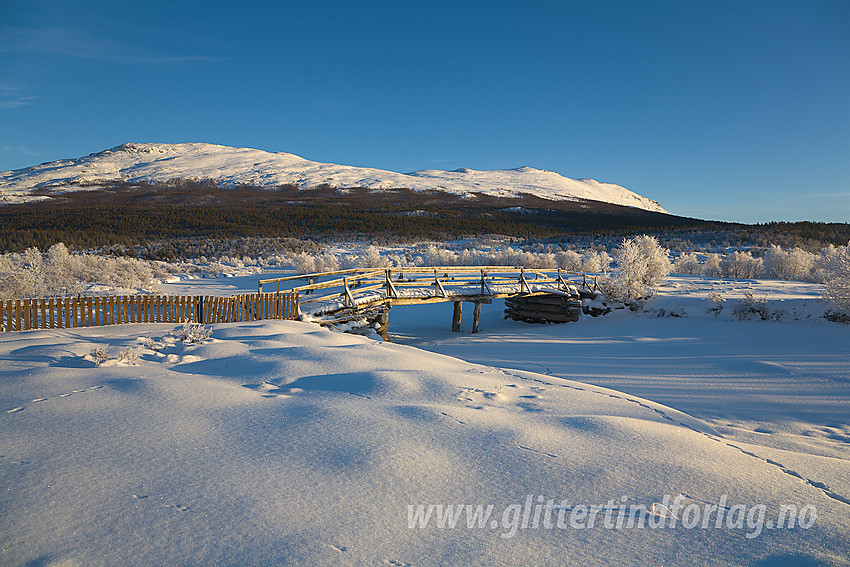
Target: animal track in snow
(65,395)
(177,506)
(16,462)
(518,446)
(453,417)
(809,482)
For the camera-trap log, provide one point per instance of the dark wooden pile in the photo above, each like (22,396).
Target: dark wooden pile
(543,307)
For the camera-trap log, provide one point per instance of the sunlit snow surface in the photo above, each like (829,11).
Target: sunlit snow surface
(283,443)
(237,166)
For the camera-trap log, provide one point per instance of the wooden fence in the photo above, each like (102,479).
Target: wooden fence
(70,312)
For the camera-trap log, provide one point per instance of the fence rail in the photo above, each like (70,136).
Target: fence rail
(72,312)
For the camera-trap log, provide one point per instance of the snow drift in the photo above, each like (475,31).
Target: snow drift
(282,443)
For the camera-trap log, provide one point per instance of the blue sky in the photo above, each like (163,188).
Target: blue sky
(730,110)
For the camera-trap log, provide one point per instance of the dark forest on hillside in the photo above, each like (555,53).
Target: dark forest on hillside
(128,215)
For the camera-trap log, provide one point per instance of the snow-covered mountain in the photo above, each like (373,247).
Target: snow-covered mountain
(237,166)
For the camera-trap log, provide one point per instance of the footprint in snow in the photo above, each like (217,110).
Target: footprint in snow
(16,462)
(529,407)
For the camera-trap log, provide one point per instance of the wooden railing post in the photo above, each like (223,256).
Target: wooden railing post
(391,290)
(440,291)
(485,287)
(349,300)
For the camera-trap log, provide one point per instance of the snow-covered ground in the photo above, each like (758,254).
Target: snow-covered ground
(284,443)
(237,166)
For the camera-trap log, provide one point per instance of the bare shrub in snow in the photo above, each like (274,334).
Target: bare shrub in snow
(151,344)
(642,264)
(128,356)
(716,303)
(193,332)
(750,307)
(99,355)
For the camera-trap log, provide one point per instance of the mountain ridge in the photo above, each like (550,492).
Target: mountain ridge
(231,166)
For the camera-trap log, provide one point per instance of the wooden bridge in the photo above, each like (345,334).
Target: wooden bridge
(346,295)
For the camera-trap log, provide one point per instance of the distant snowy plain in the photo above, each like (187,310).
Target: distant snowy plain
(285,443)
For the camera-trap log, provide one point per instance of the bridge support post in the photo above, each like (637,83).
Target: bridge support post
(475,316)
(456,316)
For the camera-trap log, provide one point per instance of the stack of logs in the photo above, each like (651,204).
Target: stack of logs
(543,307)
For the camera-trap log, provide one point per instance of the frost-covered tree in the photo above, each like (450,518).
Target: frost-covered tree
(795,264)
(711,267)
(741,265)
(688,264)
(371,258)
(642,264)
(569,260)
(837,284)
(304,263)
(595,262)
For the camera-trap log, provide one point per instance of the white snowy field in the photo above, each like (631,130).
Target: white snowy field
(284,443)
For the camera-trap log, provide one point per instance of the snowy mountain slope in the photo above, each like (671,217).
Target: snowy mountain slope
(233,166)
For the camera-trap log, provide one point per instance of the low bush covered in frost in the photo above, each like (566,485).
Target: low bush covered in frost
(591,261)
(58,272)
(773,263)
